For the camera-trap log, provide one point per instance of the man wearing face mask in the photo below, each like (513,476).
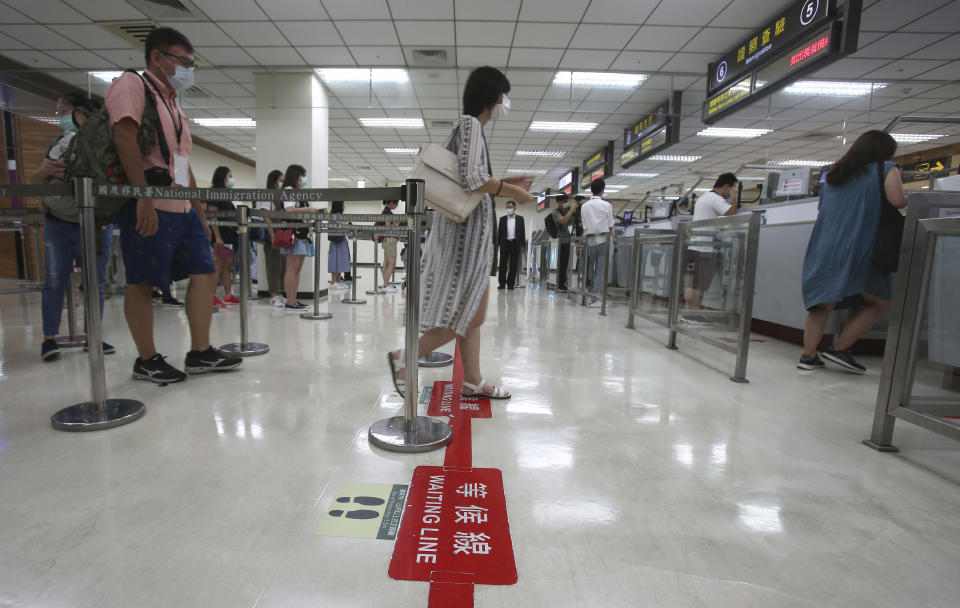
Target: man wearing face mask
(163,240)
(512,238)
(563,216)
(61,230)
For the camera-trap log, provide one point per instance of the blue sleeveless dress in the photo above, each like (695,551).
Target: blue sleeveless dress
(837,267)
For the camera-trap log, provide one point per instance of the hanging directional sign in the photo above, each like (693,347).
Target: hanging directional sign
(804,38)
(653,133)
(568,183)
(597,166)
(925,167)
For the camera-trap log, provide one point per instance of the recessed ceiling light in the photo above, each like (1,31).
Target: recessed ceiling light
(236,123)
(549,153)
(751,178)
(564,127)
(675,158)
(598,79)
(396,123)
(339,179)
(107,77)
(528,171)
(50,120)
(730,132)
(800,163)
(914,138)
(402,150)
(638,174)
(837,89)
(404,168)
(363,75)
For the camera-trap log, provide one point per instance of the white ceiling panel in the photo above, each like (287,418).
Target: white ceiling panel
(275,55)
(357,9)
(947,48)
(426,33)
(35,59)
(686,12)
(327,55)
(378,55)
(946,19)
(421,9)
(290,10)
(502,10)
(39,37)
(535,58)
(661,38)
(587,60)
(850,67)
(310,33)
(475,56)
(949,71)
(202,33)
(890,15)
(550,10)
(904,68)
(716,40)
(590,36)
(249,33)
(51,11)
(543,35)
(90,36)
(380,33)
(225,56)
(632,12)
(82,59)
(894,46)
(8,43)
(485,33)
(689,62)
(235,10)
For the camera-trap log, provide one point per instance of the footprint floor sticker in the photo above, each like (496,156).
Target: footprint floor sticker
(364,510)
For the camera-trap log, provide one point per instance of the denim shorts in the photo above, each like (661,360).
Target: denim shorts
(180,248)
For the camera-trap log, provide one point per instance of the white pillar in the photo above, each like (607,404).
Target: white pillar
(292,128)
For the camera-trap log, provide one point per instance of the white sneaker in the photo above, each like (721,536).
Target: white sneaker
(389,289)
(278,301)
(596,304)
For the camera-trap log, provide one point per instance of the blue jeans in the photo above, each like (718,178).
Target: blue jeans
(61,247)
(597,261)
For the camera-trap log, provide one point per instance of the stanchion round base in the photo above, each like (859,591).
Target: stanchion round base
(428,434)
(739,380)
(880,447)
(68,342)
(84,416)
(436,359)
(319,316)
(375,292)
(351,301)
(247,349)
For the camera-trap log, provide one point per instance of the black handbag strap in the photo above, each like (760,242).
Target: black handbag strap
(883,190)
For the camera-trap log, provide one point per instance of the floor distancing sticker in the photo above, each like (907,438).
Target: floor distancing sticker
(365,510)
(454,532)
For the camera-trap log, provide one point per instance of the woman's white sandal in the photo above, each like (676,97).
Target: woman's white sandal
(396,366)
(476,390)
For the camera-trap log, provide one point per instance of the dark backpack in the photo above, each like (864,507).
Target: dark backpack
(92,153)
(551,225)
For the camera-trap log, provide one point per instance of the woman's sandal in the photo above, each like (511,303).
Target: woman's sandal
(396,367)
(476,390)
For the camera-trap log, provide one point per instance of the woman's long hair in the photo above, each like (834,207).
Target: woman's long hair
(273,177)
(336,207)
(291,178)
(483,89)
(871,147)
(220,177)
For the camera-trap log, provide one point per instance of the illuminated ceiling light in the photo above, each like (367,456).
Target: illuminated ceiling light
(404,168)
(222,123)
(751,178)
(50,120)
(528,171)
(363,75)
(563,127)
(339,179)
(638,174)
(800,163)
(702,189)
(107,77)
(599,79)
(729,132)
(914,138)
(402,150)
(675,158)
(396,123)
(836,89)
(548,153)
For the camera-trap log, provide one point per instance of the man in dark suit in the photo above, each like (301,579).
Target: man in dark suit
(512,238)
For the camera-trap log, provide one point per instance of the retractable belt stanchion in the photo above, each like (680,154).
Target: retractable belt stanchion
(98,413)
(411,433)
(376,291)
(243,348)
(606,273)
(316,315)
(73,339)
(353,284)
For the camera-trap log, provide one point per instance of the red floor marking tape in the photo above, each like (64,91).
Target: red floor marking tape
(455,521)
(459,453)
(451,590)
(446,400)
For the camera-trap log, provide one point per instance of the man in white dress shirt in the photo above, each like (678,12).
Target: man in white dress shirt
(597,216)
(512,238)
(702,252)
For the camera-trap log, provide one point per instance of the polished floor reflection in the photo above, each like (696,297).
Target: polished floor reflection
(634,475)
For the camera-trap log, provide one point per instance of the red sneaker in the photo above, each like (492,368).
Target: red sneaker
(217,302)
(232,299)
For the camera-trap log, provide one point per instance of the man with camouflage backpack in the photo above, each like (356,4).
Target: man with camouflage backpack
(162,240)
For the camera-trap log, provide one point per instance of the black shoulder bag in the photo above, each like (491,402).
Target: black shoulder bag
(886,249)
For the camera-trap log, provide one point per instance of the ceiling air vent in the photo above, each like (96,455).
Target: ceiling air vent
(441,124)
(428,58)
(134,32)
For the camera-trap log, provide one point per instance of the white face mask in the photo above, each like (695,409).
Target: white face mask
(182,78)
(501,109)
(511,210)
(229,183)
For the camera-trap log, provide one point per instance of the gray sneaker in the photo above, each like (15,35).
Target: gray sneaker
(808,362)
(844,359)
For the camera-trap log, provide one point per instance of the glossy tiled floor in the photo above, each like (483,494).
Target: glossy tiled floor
(635,476)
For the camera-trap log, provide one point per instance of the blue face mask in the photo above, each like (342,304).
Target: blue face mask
(67,124)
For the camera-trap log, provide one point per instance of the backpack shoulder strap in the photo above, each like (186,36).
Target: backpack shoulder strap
(152,101)
(880,180)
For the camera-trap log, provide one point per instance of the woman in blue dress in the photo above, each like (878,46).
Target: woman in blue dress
(837,270)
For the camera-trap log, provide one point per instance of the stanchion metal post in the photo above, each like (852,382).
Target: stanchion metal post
(676,284)
(636,280)
(353,284)
(38,255)
(376,291)
(606,273)
(99,413)
(411,433)
(73,339)
(316,315)
(243,348)
(583,277)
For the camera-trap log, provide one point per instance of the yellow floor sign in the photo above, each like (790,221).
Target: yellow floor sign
(365,510)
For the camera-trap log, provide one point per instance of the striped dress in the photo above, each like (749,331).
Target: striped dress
(457,257)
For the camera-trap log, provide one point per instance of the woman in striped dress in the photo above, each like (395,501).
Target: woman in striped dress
(457,257)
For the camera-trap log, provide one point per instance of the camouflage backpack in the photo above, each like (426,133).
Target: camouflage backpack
(92,153)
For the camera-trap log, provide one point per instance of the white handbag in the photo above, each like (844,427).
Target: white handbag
(439,169)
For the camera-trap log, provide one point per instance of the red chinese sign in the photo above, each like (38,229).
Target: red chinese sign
(445,400)
(455,521)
